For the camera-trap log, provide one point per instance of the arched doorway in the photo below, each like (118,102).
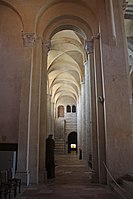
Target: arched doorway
(72,143)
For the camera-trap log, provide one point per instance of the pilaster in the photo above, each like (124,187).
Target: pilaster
(34,119)
(43,113)
(24,117)
(91,115)
(100,110)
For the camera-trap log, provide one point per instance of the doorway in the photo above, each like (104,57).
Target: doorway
(72,143)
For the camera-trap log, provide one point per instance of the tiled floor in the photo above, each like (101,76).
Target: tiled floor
(73,181)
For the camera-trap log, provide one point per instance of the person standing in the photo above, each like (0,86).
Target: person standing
(50,163)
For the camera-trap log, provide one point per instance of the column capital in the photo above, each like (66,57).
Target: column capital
(86,63)
(82,82)
(124,4)
(89,46)
(47,45)
(89,43)
(96,36)
(29,39)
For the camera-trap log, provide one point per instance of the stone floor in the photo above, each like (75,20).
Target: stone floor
(73,181)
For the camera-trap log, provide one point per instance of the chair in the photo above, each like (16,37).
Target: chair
(3,188)
(13,179)
(6,186)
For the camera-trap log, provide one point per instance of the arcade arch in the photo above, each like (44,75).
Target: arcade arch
(67,67)
(47,64)
(69,51)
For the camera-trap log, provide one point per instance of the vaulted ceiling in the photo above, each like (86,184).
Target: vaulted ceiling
(66,65)
(67,56)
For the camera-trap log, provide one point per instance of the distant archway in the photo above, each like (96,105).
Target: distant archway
(72,143)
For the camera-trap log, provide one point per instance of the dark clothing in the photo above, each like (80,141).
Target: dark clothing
(50,164)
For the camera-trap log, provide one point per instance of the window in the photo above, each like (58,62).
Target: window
(60,111)
(74,109)
(68,109)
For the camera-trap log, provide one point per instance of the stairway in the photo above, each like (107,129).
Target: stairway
(125,188)
(59,146)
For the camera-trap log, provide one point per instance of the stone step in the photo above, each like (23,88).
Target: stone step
(59,140)
(59,143)
(59,146)
(125,188)
(129,176)
(59,151)
(120,192)
(128,186)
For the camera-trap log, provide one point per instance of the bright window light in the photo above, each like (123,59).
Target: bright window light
(73,146)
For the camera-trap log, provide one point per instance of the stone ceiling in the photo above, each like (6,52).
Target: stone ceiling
(66,65)
(67,56)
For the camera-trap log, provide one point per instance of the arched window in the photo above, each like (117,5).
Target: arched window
(73,108)
(60,111)
(68,109)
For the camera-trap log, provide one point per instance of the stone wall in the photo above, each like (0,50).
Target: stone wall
(11,64)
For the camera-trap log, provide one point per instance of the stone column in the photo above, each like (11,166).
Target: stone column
(88,119)
(100,111)
(79,124)
(93,139)
(83,135)
(34,123)
(24,117)
(49,117)
(43,114)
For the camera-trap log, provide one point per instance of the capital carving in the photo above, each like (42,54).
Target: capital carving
(28,39)
(96,36)
(47,45)
(89,46)
(124,4)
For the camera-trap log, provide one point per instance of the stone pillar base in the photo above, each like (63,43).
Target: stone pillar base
(43,177)
(24,176)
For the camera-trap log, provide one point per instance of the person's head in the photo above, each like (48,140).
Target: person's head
(50,136)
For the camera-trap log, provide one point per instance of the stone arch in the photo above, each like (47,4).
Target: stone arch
(68,21)
(66,15)
(3,3)
(48,4)
(49,22)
